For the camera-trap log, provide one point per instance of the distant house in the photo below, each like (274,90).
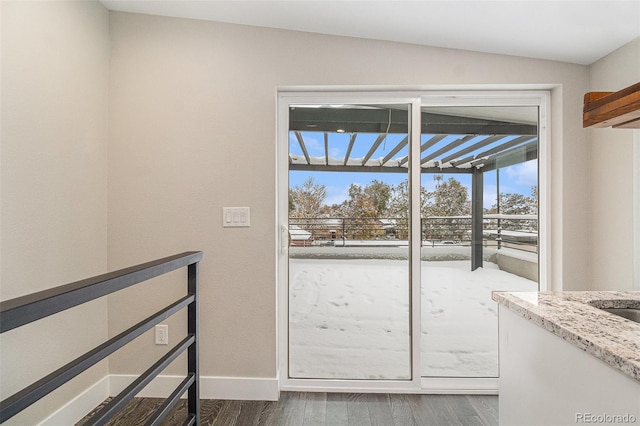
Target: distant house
(298,236)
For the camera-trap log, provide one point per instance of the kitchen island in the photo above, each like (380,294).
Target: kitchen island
(564,360)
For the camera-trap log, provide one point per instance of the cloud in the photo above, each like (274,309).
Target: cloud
(336,153)
(314,147)
(336,195)
(523,173)
(489,196)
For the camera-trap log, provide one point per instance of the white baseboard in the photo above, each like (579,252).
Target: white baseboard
(460,385)
(80,406)
(240,388)
(211,387)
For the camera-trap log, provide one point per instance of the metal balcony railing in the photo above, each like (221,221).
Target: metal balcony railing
(17,312)
(514,231)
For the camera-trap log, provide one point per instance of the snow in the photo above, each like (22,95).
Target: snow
(509,233)
(349,318)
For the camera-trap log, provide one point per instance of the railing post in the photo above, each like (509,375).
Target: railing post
(193,366)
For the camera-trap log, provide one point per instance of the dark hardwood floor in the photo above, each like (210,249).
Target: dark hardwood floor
(330,409)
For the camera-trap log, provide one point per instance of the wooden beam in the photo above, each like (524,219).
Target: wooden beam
(594,96)
(619,109)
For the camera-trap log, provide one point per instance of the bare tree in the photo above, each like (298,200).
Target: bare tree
(307,199)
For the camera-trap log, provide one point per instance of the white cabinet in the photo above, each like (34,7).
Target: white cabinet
(545,380)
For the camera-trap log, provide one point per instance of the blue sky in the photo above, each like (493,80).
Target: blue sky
(514,179)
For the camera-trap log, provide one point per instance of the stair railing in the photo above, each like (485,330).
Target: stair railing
(23,310)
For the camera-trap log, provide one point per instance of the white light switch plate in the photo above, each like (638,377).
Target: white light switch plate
(236,217)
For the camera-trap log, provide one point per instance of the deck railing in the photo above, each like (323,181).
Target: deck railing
(498,230)
(17,312)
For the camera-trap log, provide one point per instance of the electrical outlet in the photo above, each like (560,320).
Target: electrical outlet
(162,334)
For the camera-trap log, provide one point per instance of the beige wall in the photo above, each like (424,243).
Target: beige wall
(54,183)
(192,129)
(611,179)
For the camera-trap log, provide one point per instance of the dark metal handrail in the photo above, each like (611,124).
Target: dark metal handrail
(17,312)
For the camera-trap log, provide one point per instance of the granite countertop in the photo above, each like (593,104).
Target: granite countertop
(574,316)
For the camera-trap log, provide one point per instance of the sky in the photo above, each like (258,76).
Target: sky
(518,178)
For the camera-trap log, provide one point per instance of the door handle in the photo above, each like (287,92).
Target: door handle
(284,239)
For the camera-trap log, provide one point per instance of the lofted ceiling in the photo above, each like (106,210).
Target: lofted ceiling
(578,32)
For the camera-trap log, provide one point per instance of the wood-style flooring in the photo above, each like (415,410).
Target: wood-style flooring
(330,409)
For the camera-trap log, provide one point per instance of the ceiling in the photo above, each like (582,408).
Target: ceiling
(578,32)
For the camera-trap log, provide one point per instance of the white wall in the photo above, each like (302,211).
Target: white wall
(192,129)
(611,179)
(54,184)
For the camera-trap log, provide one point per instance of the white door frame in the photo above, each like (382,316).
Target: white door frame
(417,99)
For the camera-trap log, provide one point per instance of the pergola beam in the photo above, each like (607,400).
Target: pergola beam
(352,140)
(474,147)
(303,147)
(447,148)
(518,155)
(395,150)
(425,146)
(374,147)
(502,147)
(376,119)
(373,169)
(326,148)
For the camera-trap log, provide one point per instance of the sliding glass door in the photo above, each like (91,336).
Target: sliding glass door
(348,286)
(398,216)
(479,220)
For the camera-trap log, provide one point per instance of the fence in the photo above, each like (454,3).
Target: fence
(514,231)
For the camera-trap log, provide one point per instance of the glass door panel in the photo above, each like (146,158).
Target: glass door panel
(348,301)
(479,214)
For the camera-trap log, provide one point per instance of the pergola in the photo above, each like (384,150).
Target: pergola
(475,146)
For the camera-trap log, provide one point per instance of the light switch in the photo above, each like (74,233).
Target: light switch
(236,217)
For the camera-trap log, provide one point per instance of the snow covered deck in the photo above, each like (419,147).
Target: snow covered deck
(349,315)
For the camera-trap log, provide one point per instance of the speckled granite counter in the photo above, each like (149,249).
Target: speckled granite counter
(575,317)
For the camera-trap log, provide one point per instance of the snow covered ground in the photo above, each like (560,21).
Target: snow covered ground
(349,318)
